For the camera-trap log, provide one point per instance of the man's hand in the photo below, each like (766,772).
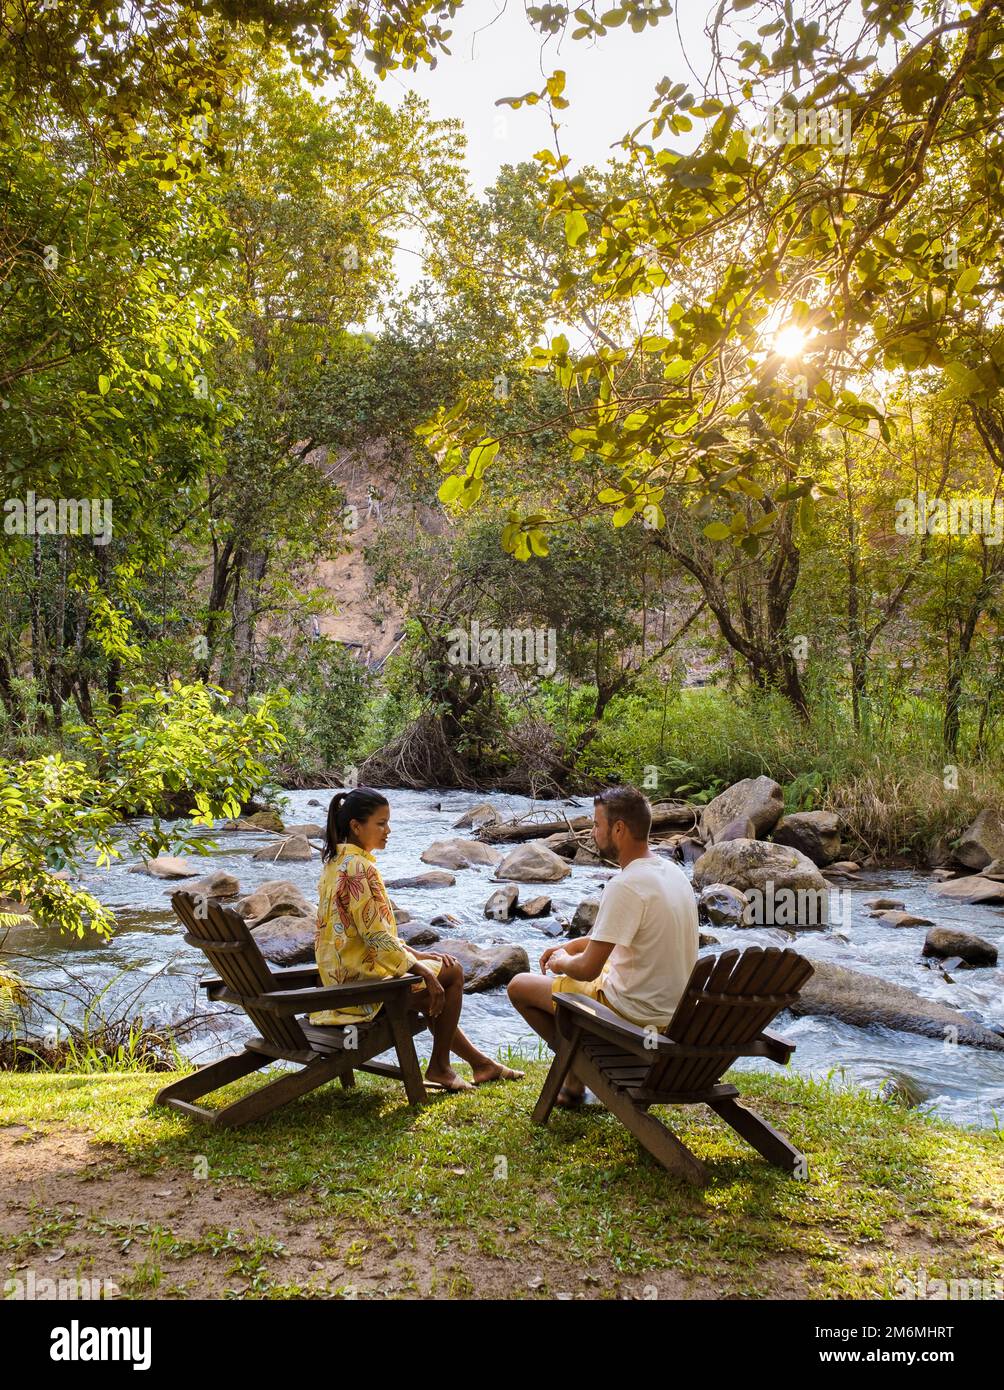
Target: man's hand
(548,953)
(557,961)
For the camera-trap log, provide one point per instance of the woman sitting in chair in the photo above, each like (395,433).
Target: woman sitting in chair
(357,940)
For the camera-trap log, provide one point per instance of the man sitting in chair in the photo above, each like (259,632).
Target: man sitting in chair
(639,956)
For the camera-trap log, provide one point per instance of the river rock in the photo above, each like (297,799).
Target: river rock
(751,864)
(587,853)
(706,939)
(401,914)
(584,917)
(314,802)
(844,868)
(902,919)
(867,1000)
(502,904)
(310,830)
(756,799)
(164,866)
(460,854)
(723,905)
(815,833)
(286,940)
(551,928)
(533,863)
(484,813)
(885,904)
(950,941)
(488,967)
(261,820)
(982,842)
(444,919)
(534,907)
(974,889)
(216,885)
(435,878)
(275,898)
(418,934)
(295,849)
(995,869)
(563,843)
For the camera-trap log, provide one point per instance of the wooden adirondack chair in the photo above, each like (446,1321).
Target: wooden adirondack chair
(275,1003)
(723,1014)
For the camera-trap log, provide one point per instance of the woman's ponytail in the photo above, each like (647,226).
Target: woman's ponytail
(358,803)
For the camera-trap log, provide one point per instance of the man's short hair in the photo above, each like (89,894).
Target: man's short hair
(629,805)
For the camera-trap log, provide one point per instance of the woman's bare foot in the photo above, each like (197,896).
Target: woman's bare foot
(447,1078)
(495,1071)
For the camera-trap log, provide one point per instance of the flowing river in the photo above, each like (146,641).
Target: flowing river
(146,967)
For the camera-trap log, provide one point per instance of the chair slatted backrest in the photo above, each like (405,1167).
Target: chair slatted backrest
(235,956)
(729,1000)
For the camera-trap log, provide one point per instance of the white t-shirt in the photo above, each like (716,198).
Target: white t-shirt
(649,911)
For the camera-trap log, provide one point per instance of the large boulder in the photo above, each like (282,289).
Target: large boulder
(982,842)
(276,898)
(722,905)
(756,799)
(533,862)
(286,940)
(869,1001)
(217,885)
(294,849)
(501,906)
(973,889)
(752,864)
(435,878)
(946,942)
(815,833)
(164,866)
(484,813)
(488,967)
(418,934)
(460,854)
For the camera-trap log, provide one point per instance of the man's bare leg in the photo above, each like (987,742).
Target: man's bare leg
(532,997)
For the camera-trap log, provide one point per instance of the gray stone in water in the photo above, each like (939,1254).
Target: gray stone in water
(444,919)
(278,897)
(869,1001)
(756,799)
(994,870)
(533,863)
(950,941)
(483,813)
(551,928)
(417,934)
(488,967)
(534,907)
(286,940)
(706,939)
(750,865)
(460,854)
(584,917)
(502,903)
(723,905)
(902,919)
(294,850)
(401,914)
(973,889)
(885,904)
(982,842)
(165,866)
(815,833)
(314,802)
(310,830)
(217,885)
(435,878)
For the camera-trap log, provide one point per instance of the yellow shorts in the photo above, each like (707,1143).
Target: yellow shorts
(592,989)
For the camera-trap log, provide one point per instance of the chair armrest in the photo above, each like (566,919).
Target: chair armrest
(647,1044)
(300,1001)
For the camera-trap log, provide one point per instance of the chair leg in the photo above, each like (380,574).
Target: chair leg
(211,1078)
(560,1068)
(664,1146)
(279,1092)
(348,1080)
(767,1141)
(404,1045)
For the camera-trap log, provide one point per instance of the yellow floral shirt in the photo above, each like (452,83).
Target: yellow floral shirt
(356,932)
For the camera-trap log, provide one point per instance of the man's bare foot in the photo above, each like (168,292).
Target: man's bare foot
(495,1071)
(447,1079)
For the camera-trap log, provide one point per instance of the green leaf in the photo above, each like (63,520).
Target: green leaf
(576,227)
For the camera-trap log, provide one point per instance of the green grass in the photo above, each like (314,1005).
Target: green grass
(890,1192)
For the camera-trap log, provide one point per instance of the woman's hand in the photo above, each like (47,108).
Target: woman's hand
(437,994)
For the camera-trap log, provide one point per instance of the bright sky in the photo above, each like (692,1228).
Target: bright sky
(610,82)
